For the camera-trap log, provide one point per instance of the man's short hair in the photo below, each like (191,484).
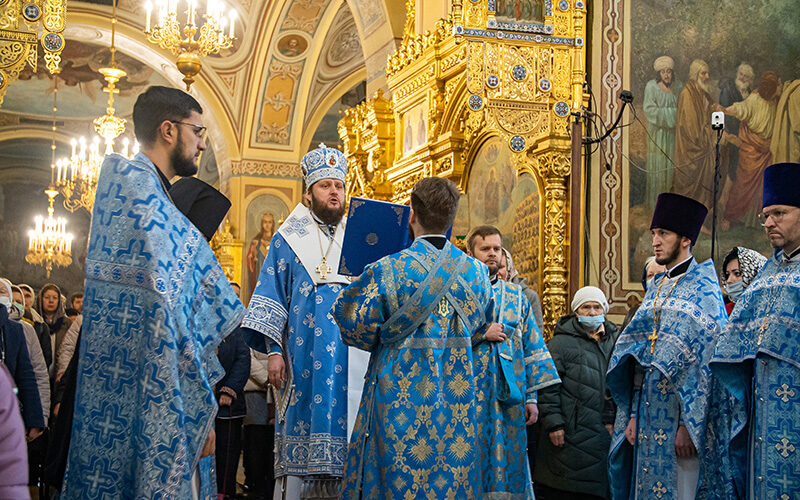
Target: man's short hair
(75,295)
(157,104)
(435,201)
(483,232)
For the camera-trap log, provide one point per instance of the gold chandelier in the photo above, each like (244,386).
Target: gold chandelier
(168,34)
(49,242)
(109,126)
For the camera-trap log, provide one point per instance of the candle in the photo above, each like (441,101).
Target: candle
(233,18)
(149,8)
(74,144)
(190,12)
(58,179)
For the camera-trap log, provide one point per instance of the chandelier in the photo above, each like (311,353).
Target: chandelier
(109,126)
(49,242)
(190,42)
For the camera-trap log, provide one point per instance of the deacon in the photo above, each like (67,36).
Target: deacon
(509,367)
(156,306)
(289,318)
(415,312)
(658,374)
(758,355)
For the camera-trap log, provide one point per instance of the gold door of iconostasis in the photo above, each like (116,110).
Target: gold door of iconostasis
(481,93)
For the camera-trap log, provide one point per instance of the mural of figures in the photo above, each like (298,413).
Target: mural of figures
(263,217)
(519,10)
(687,60)
(497,196)
(415,128)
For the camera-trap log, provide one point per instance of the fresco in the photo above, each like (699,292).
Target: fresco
(513,11)
(264,215)
(292,46)
(415,128)
(687,60)
(497,196)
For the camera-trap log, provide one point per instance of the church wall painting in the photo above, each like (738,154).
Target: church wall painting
(669,146)
(497,196)
(264,213)
(415,128)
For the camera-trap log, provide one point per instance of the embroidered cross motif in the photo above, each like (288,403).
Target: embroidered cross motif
(309,321)
(785,447)
(663,386)
(785,393)
(323,269)
(659,489)
(293,225)
(107,425)
(786,483)
(660,436)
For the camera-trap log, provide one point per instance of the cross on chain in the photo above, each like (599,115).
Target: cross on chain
(785,393)
(323,269)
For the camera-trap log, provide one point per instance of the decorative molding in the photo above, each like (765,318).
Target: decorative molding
(265,168)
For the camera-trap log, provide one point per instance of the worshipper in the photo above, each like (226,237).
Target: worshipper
(739,269)
(68,345)
(508,368)
(259,430)
(71,314)
(785,144)
(658,374)
(576,418)
(234,356)
(13,455)
(157,304)
(289,318)
(512,275)
(14,355)
(756,356)
(50,306)
(757,117)
(694,139)
(415,312)
(660,107)
(33,318)
(651,268)
(75,301)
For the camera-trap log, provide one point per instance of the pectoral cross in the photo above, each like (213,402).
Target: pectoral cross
(323,269)
(652,338)
(763,328)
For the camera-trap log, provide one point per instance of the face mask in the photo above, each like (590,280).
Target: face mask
(734,290)
(592,322)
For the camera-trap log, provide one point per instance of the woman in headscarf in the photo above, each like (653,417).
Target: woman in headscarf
(739,269)
(50,306)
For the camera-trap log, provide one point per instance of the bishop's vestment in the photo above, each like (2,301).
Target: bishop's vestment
(156,306)
(675,388)
(758,359)
(415,312)
(507,376)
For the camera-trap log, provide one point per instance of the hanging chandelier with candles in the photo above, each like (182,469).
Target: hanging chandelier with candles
(49,243)
(190,42)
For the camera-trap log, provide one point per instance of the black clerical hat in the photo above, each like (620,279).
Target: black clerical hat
(679,214)
(203,205)
(782,185)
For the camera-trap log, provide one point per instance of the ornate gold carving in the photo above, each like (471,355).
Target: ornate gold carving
(225,247)
(265,168)
(413,46)
(414,84)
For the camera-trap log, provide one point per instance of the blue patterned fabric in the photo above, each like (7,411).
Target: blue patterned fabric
(156,305)
(676,388)
(502,436)
(758,359)
(324,163)
(292,312)
(415,311)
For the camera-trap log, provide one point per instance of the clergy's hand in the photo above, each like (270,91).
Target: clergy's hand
(276,370)
(684,447)
(531,413)
(211,443)
(495,333)
(557,438)
(630,431)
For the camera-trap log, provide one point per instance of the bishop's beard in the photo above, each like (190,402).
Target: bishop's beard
(330,216)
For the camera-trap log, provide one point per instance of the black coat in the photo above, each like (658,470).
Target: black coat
(15,356)
(581,406)
(234,355)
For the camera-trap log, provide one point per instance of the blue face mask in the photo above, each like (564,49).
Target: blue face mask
(592,322)
(734,290)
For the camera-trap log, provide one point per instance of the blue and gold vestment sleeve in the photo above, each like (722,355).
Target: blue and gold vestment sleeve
(540,371)
(359,310)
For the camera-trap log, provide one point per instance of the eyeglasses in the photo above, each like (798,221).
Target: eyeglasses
(776,216)
(199,131)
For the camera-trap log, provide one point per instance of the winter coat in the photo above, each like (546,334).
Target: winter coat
(13,452)
(581,406)
(234,356)
(16,358)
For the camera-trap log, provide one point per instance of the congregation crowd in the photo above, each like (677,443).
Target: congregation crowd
(426,376)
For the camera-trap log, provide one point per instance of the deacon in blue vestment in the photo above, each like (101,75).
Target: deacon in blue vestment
(509,367)
(156,306)
(659,375)
(758,355)
(415,312)
(289,316)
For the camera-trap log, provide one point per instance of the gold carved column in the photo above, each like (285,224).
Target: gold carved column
(480,73)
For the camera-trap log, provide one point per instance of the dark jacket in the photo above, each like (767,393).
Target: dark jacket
(55,463)
(234,355)
(581,406)
(43,334)
(533,298)
(16,357)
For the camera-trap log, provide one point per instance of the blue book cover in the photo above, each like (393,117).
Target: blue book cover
(374,230)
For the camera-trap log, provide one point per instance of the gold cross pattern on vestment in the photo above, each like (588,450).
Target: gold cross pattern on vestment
(323,269)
